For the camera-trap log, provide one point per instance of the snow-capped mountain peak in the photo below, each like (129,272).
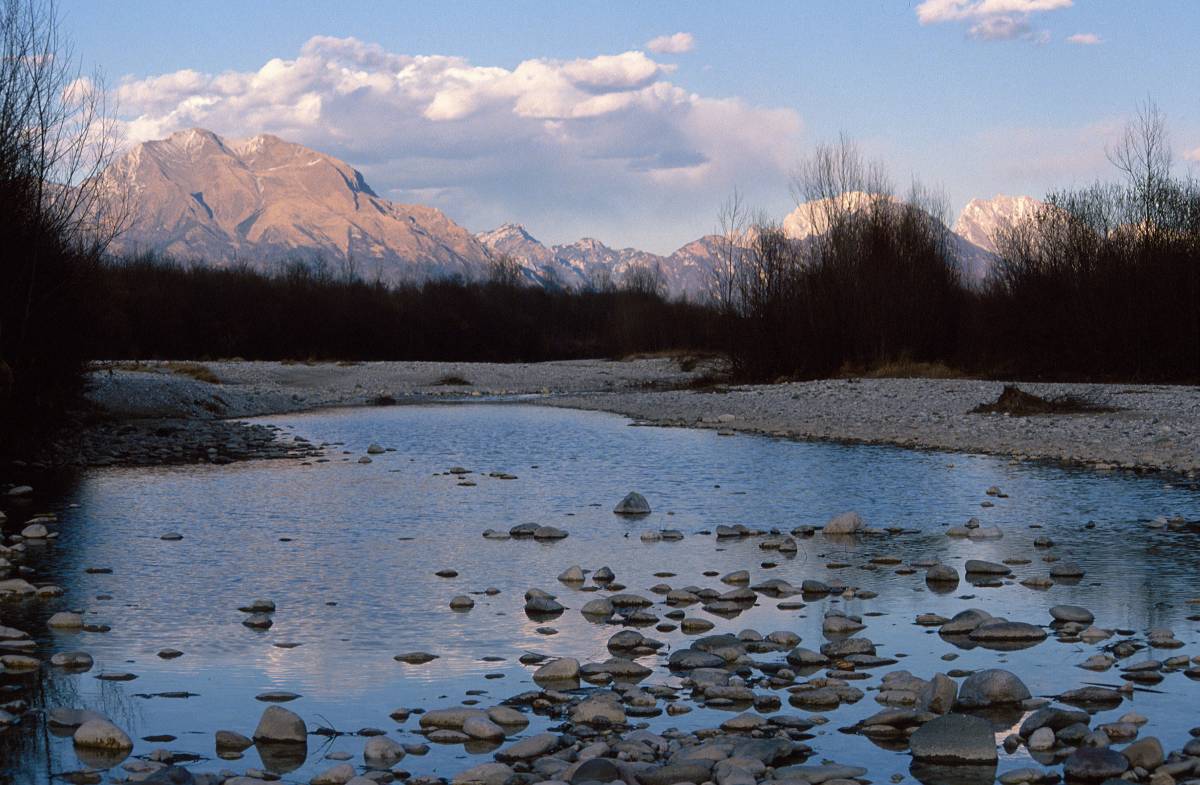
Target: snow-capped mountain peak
(982,218)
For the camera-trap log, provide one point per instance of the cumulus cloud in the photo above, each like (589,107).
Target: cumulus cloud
(676,44)
(1193,155)
(606,143)
(991,20)
(1085,39)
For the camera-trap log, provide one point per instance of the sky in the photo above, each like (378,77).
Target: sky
(632,122)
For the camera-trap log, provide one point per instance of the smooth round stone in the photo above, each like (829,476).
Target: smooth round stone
(506,716)
(171,537)
(101,734)
(169,654)
(35,531)
(941,573)
(65,620)
(1042,739)
(563,669)
(482,728)
(276,696)
(1095,764)
(1066,570)
(73,660)
(231,740)
(633,504)
(382,752)
(1072,613)
(462,603)
(415,657)
(992,687)
(573,574)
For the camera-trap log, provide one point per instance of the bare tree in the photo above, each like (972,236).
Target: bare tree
(1143,156)
(56,137)
(733,238)
(601,280)
(57,214)
(645,279)
(504,270)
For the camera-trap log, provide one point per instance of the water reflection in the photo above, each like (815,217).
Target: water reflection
(347,552)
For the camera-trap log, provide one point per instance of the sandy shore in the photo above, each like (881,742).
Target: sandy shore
(1154,427)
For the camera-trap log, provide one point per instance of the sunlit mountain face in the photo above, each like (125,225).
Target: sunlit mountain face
(263,201)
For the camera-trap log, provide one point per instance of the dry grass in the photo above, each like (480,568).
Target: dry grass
(904,369)
(197,371)
(452,381)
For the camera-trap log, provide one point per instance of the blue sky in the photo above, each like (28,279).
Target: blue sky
(516,115)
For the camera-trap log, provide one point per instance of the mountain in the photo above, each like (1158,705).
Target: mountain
(195,195)
(982,218)
(589,262)
(972,238)
(198,196)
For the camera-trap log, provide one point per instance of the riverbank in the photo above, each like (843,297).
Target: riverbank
(1149,427)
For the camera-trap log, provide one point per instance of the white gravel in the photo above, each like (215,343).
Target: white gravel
(1157,427)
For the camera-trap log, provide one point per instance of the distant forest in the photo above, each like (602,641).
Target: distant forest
(1103,283)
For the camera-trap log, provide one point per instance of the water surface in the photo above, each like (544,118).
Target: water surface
(348,552)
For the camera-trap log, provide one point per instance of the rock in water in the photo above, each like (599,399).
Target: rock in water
(231,740)
(1095,764)
(381,752)
(954,738)
(846,523)
(993,687)
(279,725)
(633,504)
(102,734)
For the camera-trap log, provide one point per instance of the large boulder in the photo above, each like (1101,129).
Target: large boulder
(954,738)
(280,726)
(992,687)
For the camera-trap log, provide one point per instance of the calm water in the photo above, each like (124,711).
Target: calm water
(354,583)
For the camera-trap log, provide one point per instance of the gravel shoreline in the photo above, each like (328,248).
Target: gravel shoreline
(1155,427)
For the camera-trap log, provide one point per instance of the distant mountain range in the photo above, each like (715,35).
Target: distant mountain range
(198,196)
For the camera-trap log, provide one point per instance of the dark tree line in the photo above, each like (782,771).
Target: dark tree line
(157,308)
(1103,283)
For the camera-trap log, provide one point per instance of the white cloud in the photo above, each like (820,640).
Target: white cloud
(1085,39)
(991,20)
(676,44)
(594,145)
(1192,155)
